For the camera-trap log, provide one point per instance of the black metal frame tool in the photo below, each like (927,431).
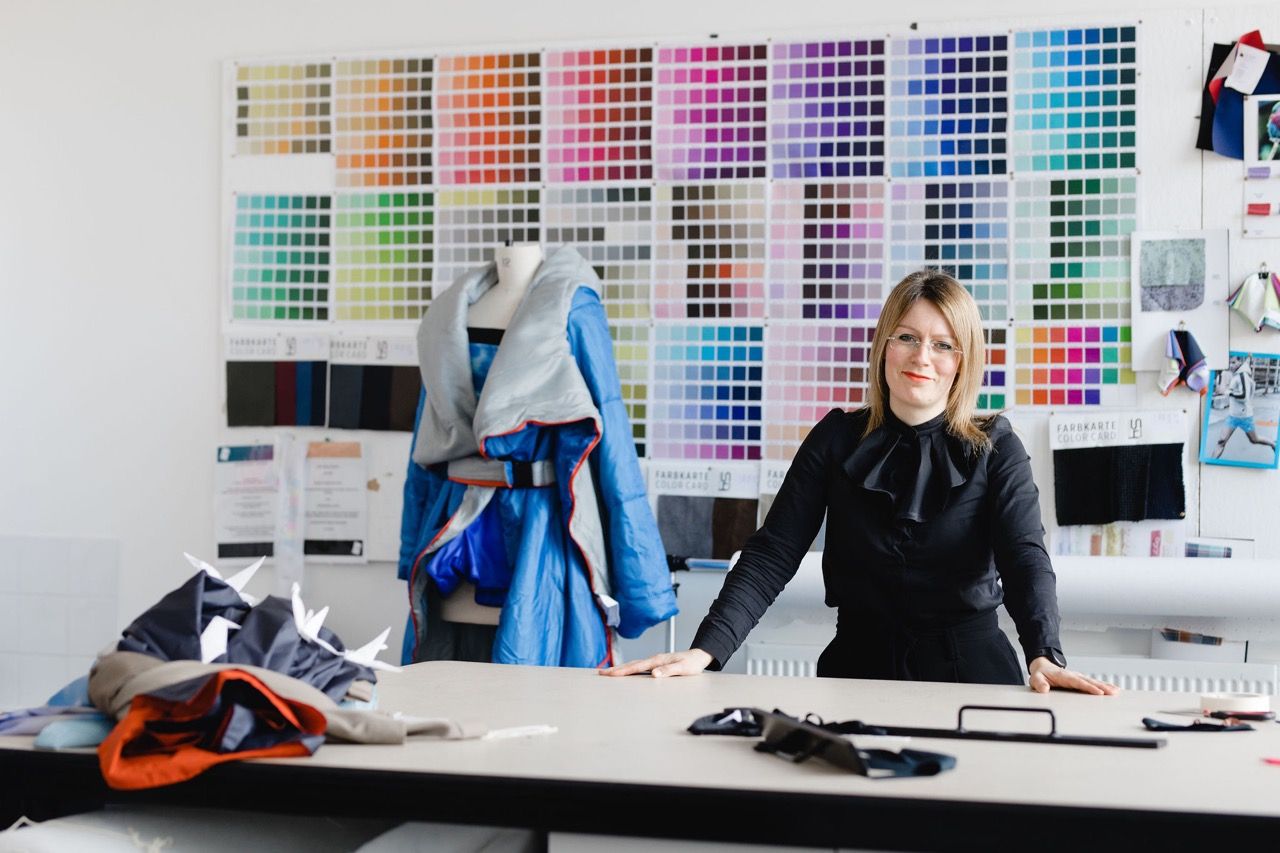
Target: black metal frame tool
(857,727)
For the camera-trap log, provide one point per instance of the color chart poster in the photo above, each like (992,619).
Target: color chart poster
(746,202)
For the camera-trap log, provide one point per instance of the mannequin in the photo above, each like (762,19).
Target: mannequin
(523,477)
(494,310)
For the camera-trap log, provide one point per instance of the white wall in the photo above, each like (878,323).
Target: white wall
(109,235)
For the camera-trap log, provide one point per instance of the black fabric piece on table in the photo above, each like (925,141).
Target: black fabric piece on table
(733,520)
(251,393)
(268,637)
(1099,485)
(375,398)
(170,629)
(344,401)
(406,382)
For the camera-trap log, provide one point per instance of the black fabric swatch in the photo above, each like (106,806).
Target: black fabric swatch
(251,393)
(373,396)
(1099,485)
(732,521)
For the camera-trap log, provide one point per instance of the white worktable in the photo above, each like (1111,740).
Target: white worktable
(621,762)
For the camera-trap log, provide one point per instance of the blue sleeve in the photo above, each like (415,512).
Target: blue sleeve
(415,501)
(638,573)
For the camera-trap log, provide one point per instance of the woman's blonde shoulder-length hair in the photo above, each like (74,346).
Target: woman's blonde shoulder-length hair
(961,313)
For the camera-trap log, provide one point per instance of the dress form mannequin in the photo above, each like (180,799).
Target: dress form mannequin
(494,310)
(516,266)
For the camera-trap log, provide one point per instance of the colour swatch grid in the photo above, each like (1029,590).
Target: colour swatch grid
(471,222)
(707,392)
(948,106)
(1071,247)
(280,257)
(382,117)
(709,245)
(994,395)
(383,249)
(962,227)
(722,187)
(598,114)
(1074,99)
(828,109)
(631,351)
(1071,365)
(711,112)
(283,108)
(612,227)
(826,250)
(489,115)
(810,369)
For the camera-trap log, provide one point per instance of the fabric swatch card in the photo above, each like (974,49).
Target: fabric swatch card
(693,526)
(705,511)
(1118,466)
(374,383)
(276,379)
(1180,280)
(373,396)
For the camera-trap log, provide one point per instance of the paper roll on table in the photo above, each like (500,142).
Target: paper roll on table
(1238,703)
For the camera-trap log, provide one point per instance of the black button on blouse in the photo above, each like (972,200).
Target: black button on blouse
(921,533)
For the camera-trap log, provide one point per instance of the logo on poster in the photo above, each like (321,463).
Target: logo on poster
(1091,432)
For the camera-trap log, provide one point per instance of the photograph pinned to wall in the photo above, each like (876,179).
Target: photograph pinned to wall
(1262,166)
(1180,282)
(1244,407)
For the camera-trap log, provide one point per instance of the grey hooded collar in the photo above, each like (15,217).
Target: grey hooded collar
(529,379)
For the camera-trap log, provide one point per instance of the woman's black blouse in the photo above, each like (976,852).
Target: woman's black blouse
(921,533)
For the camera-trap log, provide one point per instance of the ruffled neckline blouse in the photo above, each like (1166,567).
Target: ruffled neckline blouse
(916,466)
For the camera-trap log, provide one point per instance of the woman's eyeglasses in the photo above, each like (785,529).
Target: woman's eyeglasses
(938,349)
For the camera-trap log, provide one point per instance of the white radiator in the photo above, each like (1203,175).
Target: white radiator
(1175,676)
(1180,676)
(782,659)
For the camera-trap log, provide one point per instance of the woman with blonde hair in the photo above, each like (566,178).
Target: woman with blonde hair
(933,521)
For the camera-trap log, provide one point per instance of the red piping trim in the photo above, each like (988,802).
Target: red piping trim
(413,575)
(604,619)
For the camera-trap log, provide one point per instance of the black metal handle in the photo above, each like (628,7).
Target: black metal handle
(1053,721)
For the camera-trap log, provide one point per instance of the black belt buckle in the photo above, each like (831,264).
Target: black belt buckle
(521,475)
(796,741)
